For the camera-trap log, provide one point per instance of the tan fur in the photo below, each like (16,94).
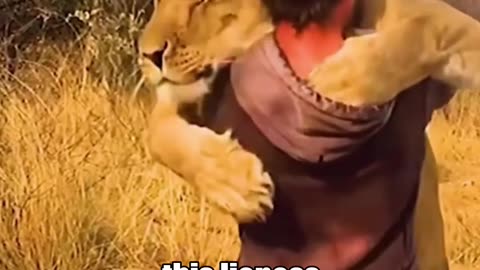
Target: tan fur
(422,37)
(233,179)
(428,220)
(230,177)
(198,33)
(213,32)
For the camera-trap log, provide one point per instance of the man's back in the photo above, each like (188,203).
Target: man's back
(346,178)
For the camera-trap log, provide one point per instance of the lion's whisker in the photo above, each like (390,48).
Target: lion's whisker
(136,89)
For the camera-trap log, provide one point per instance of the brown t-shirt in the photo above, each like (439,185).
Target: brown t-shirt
(346,178)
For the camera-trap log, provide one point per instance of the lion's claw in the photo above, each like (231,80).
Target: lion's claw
(233,178)
(229,176)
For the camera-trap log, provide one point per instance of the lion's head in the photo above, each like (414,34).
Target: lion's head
(186,40)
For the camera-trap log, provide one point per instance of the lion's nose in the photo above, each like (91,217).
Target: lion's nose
(157,56)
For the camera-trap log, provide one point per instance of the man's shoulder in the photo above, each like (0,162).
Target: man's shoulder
(247,61)
(255,52)
(438,94)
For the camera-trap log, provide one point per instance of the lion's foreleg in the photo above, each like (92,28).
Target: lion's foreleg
(428,221)
(215,164)
(462,70)
(374,68)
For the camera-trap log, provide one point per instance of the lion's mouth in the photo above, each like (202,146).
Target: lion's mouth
(205,72)
(158,76)
(226,61)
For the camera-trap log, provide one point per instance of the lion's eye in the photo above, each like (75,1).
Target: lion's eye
(226,21)
(228,18)
(196,4)
(200,2)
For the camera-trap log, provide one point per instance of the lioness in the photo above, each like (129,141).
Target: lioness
(183,43)
(175,47)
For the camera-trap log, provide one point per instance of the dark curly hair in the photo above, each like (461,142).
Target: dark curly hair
(300,12)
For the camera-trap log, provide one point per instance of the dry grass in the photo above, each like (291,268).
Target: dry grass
(456,142)
(78,191)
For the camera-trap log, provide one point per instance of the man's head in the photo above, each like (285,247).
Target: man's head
(301,13)
(185,39)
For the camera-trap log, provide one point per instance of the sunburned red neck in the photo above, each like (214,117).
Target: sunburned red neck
(310,47)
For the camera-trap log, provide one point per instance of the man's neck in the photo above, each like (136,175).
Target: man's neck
(306,49)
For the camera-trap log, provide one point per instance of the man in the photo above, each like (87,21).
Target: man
(346,178)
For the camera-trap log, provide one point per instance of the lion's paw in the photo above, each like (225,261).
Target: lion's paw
(233,179)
